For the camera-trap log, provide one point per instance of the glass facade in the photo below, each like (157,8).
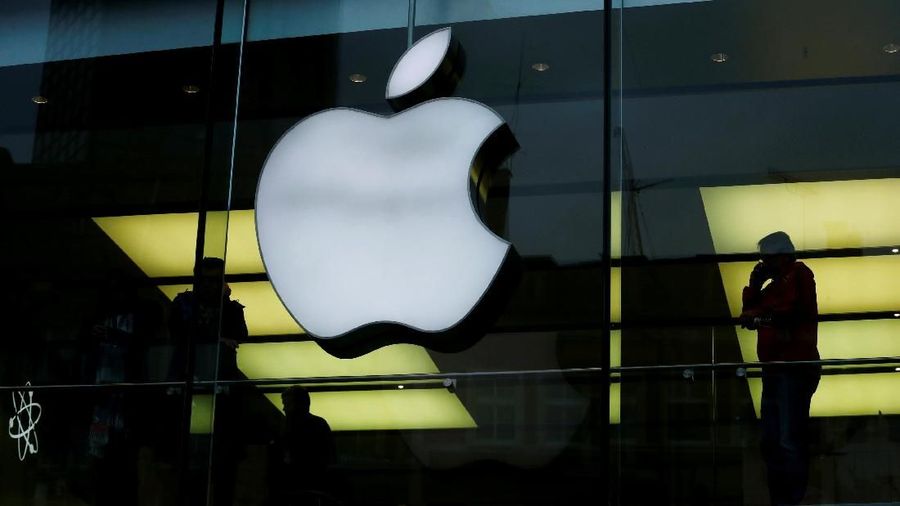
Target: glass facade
(660,346)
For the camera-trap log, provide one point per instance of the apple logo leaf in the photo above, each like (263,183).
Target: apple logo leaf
(430,68)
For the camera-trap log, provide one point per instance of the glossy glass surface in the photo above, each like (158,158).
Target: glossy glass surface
(740,119)
(148,359)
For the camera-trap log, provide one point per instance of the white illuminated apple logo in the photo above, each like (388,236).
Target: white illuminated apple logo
(366,223)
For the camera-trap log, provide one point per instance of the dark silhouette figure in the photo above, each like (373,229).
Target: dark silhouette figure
(305,454)
(209,319)
(785,315)
(209,322)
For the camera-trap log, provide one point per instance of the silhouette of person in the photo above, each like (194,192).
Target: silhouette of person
(307,453)
(784,313)
(209,316)
(209,319)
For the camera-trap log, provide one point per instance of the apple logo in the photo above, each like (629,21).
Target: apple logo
(368,225)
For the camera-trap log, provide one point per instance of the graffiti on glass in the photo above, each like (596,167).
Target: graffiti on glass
(23,423)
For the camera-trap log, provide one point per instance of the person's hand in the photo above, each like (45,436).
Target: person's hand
(759,276)
(749,321)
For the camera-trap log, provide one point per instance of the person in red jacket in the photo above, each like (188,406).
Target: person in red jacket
(784,313)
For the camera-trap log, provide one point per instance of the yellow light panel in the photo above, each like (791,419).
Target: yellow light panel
(843,285)
(615,348)
(160,244)
(615,294)
(384,410)
(842,339)
(263,310)
(243,249)
(308,360)
(163,244)
(201,414)
(847,395)
(354,410)
(413,408)
(434,408)
(820,215)
(615,403)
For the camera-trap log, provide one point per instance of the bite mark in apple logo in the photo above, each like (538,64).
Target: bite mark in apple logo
(367,224)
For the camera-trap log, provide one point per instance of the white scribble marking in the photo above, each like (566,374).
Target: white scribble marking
(22,425)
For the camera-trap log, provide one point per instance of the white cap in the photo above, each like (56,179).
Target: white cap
(776,243)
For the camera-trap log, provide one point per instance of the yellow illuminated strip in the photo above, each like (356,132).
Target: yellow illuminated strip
(160,244)
(432,408)
(163,245)
(384,409)
(615,294)
(843,285)
(615,403)
(615,348)
(842,339)
(243,249)
(848,395)
(389,409)
(263,310)
(308,360)
(820,215)
(201,414)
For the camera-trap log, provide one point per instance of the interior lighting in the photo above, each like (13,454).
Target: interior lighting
(890,48)
(261,361)
(39,99)
(822,216)
(263,310)
(844,285)
(358,78)
(413,409)
(817,215)
(847,395)
(719,57)
(541,67)
(190,89)
(400,387)
(139,237)
(841,339)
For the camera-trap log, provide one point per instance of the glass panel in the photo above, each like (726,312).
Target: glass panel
(755,153)
(103,157)
(469,439)
(840,448)
(754,118)
(666,436)
(113,147)
(98,446)
(552,216)
(47,30)
(548,203)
